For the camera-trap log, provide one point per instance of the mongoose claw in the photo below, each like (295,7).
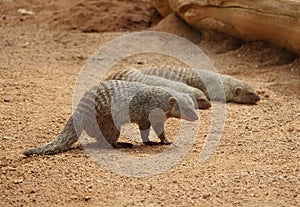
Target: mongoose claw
(123,145)
(166,142)
(150,143)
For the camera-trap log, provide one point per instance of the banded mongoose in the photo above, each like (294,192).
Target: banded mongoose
(235,90)
(135,75)
(105,108)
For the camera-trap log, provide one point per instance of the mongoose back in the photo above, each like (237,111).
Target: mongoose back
(105,108)
(134,75)
(235,90)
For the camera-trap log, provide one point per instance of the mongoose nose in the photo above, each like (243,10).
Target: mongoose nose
(193,116)
(208,105)
(203,104)
(257,98)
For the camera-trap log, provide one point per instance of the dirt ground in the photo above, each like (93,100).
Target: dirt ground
(255,164)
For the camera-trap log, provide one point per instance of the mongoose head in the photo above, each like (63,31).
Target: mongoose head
(238,91)
(245,95)
(182,107)
(201,102)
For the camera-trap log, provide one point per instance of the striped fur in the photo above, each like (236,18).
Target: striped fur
(235,90)
(105,108)
(134,75)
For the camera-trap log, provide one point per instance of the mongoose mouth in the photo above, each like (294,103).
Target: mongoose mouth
(254,99)
(203,104)
(250,98)
(257,98)
(188,116)
(191,117)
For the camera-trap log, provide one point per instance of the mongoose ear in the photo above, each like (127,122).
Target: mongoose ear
(172,101)
(237,91)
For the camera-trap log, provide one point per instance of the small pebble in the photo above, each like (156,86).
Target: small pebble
(206,196)
(87,198)
(18,181)
(74,197)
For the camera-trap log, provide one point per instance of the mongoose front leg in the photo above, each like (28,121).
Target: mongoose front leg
(159,129)
(144,127)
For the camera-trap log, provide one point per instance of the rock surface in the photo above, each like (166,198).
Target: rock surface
(273,21)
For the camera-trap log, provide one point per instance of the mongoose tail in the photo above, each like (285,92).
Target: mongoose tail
(70,134)
(60,144)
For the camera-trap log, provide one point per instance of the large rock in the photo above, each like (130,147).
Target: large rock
(162,6)
(175,25)
(274,21)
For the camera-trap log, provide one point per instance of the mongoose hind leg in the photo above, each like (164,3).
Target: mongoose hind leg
(112,141)
(109,134)
(112,137)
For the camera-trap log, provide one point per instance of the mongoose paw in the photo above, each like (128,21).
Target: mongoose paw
(150,143)
(166,142)
(123,145)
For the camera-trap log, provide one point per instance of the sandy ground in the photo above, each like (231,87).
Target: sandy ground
(255,164)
